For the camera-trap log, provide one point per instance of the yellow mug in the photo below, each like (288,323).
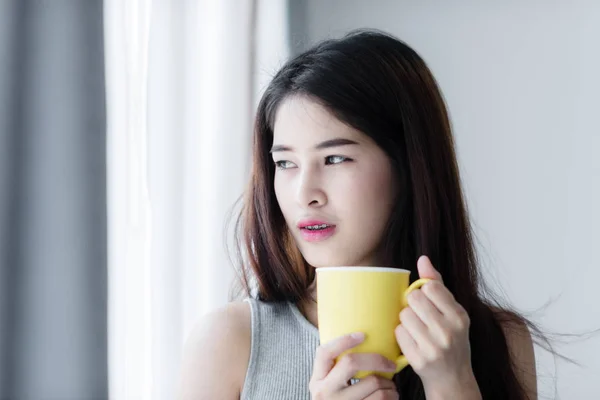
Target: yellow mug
(368,300)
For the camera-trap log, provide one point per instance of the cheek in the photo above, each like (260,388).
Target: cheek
(368,196)
(282,195)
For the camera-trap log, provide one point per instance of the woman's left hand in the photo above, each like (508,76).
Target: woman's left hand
(434,334)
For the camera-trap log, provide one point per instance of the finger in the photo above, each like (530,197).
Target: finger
(425,309)
(351,363)
(427,270)
(441,297)
(407,344)
(415,327)
(368,386)
(328,352)
(390,394)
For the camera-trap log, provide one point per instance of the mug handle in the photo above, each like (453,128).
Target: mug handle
(401,361)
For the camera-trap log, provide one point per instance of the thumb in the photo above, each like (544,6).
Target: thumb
(427,270)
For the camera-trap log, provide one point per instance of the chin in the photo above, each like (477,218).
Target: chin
(319,261)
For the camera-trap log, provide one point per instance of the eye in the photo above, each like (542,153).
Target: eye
(329,160)
(284,164)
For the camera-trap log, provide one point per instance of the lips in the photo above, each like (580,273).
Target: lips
(315,230)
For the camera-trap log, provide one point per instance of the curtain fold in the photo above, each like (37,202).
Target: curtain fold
(182,82)
(53,277)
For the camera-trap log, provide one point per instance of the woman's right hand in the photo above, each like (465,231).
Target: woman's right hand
(330,380)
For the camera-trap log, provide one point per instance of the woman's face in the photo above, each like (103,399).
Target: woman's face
(334,185)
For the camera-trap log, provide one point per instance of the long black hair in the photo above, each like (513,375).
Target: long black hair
(380,86)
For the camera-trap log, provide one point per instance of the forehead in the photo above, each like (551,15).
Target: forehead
(303,122)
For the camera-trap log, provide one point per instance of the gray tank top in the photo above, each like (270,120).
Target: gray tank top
(282,352)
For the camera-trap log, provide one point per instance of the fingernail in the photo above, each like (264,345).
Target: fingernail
(357,335)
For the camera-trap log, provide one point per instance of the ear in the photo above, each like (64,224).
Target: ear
(427,270)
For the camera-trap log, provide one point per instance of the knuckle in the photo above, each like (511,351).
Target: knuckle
(315,391)
(401,314)
(318,396)
(374,382)
(435,355)
(384,395)
(323,353)
(466,320)
(462,325)
(378,396)
(350,362)
(429,355)
(383,362)
(320,391)
(345,341)
(446,340)
(399,331)
(417,364)
(426,289)
(430,287)
(463,321)
(417,295)
(405,313)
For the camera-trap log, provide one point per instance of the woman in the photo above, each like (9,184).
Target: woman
(354,164)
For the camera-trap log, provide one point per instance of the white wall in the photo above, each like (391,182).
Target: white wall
(522,82)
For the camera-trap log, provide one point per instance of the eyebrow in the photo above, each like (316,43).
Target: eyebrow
(323,145)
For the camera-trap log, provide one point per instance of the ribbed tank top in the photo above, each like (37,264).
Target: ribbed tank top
(281,354)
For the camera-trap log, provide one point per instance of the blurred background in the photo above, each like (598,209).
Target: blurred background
(125,129)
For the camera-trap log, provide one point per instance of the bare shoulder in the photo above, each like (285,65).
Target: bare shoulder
(520,346)
(216,354)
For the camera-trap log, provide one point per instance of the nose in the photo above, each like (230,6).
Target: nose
(310,191)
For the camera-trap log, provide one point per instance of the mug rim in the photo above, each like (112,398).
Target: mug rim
(364,268)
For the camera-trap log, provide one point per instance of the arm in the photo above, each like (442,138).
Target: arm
(216,355)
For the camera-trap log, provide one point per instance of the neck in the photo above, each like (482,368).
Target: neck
(308,307)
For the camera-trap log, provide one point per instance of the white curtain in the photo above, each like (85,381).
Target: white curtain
(183,78)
